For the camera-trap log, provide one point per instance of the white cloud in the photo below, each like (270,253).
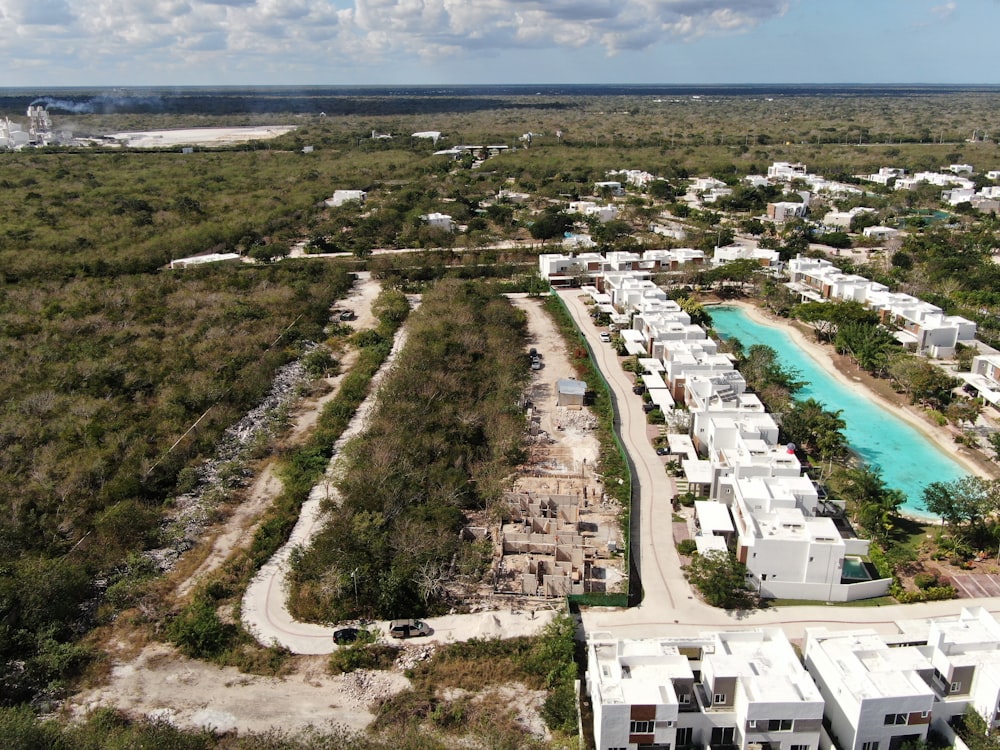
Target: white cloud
(944,12)
(167,32)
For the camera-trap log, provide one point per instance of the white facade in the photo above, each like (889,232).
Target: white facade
(612,186)
(439,220)
(843,219)
(783,170)
(785,210)
(730,253)
(877,697)
(743,688)
(880,233)
(340,197)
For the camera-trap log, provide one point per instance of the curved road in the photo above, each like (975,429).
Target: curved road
(668,606)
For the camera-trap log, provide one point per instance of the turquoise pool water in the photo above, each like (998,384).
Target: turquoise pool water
(908,459)
(855,570)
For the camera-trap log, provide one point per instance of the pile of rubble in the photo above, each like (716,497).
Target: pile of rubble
(366,687)
(193,510)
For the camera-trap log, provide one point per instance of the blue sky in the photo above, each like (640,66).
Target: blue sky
(288,42)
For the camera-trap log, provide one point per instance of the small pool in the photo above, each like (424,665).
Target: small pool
(855,570)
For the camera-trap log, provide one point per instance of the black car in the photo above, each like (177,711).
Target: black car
(662,451)
(342,636)
(638,389)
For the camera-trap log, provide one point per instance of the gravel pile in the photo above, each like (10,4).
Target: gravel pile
(410,656)
(575,419)
(364,687)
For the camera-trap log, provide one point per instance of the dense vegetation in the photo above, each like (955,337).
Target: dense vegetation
(443,441)
(103,383)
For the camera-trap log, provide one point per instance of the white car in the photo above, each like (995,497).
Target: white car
(605,337)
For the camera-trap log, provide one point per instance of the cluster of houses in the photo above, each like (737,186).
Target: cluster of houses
(857,690)
(794,542)
(918,325)
(955,178)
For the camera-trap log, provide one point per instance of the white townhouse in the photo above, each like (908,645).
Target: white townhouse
(877,697)
(885,175)
(786,171)
(560,269)
(993,174)
(965,652)
(637,177)
(744,689)
(985,377)
(766,257)
(880,233)
(917,324)
(683,359)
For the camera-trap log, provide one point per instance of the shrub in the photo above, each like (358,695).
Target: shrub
(687,547)
(362,656)
(925,580)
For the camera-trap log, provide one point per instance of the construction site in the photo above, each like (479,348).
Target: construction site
(561,533)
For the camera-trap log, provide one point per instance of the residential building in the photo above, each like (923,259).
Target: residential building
(985,377)
(744,689)
(764,256)
(843,219)
(965,652)
(880,233)
(877,697)
(785,171)
(611,187)
(885,175)
(785,210)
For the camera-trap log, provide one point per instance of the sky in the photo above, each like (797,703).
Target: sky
(418,42)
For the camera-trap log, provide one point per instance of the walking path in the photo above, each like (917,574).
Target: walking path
(668,605)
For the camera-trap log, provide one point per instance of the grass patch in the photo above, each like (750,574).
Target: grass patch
(878,601)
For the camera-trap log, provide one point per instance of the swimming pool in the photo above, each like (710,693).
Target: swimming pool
(907,458)
(855,570)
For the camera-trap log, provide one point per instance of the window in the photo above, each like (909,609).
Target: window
(640,727)
(684,735)
(720,698)
(684,698)
(799,747)
(956,686)
(924,714)
(892,719)
(779,725)
(869,746)
(751,723)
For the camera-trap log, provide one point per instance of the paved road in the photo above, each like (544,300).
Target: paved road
(668,606)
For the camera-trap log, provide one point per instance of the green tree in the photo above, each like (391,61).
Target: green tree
(871,346)
(815,429)
(966,501)
(876,506)
(924,382)
(720,578)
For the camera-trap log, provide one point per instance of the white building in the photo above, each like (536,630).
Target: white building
(786,171)
(439,220)
(766,257)
(843,219)
(340,197)
(985,377)
(880,233)
(612,187)
(785,210)
(877,697)
(885,175)
(746,689)
(965,653)
(603,214)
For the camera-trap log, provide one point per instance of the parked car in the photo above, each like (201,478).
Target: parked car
(347,315)
(605,337)
(533,352)
(648,406)
(638,389)
(662,451)
(342,636)
(536,363)
(408,628)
